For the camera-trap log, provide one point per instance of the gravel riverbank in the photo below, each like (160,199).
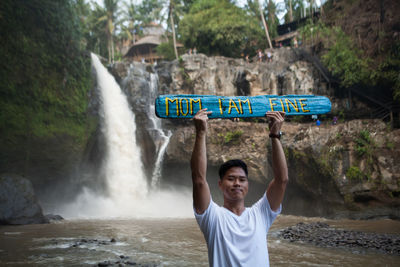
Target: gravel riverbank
(323,235)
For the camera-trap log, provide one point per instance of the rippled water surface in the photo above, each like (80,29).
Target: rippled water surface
(168,242)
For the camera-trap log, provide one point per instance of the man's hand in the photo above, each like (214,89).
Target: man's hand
(275,121)
(200,120)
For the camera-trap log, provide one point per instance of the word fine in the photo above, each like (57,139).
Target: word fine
(186,106)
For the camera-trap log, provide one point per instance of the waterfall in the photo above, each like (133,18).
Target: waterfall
(161,137)
(127,192)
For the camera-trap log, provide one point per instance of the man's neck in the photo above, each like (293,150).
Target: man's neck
(236,207)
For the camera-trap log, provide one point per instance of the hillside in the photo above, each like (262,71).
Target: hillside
(374,25)
(359,42)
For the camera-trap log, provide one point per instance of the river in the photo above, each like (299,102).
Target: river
(175,241)
(168,242)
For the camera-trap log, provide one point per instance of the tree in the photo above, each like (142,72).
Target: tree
(272,18)
(106,17)
(290,10)
(254,8)
(111,7)
(265,25)
(151,11)
(294,10)
(82,10)
(131,16)
(171,16)
(221,28)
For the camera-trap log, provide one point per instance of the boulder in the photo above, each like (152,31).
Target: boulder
(18,203)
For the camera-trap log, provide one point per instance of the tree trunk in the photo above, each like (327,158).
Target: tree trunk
(173,28)
(311,9)
(265,25)
(290,11)
(109,49)
(112,49)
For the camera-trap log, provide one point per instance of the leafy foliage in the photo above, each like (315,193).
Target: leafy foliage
(166,50)
(45,76)
(365,145)
(387,74)
(354,173)
(350,63)
(342,56)
(220,28)
(270,14)
(233,137)
(297,10)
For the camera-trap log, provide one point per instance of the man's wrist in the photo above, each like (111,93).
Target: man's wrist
(274,135)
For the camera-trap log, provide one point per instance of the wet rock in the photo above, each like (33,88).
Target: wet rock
(18,203)
(322,235)
(104,264)
(124,263)
(53,217)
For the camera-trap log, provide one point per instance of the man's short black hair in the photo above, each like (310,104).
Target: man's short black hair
(231,163)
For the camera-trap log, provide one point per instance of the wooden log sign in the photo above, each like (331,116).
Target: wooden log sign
(186,106)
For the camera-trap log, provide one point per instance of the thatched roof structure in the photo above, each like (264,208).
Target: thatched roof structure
(145,48)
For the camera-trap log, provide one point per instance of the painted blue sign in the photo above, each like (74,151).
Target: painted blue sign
(186,106)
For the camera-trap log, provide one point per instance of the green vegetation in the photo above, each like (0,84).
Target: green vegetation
(231,137)
(345,59)
(166,50)
(390,145)
(45,75)
(218,27)
(387,73)
(365,145)
(355,174)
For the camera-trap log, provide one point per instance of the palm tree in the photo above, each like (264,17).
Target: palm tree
(151,11)
(132,16)
(273,20)
(290,10)
(111,7)
(171,16)
(294,10)
(107,16)
(265,25)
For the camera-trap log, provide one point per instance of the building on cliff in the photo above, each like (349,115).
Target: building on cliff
(145,48)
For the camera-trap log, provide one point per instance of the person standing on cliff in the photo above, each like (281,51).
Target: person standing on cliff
(237,235)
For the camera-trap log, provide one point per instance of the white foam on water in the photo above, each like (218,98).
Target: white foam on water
(128,193)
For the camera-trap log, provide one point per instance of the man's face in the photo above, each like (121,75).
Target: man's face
(234,185)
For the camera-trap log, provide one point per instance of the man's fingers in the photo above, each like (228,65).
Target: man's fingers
(203,112)
(275,115)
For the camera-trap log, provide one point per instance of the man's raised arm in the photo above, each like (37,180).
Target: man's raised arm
(198,163)
(276,188)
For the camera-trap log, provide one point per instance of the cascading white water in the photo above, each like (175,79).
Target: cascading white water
(123,169)
(128,195)
(163,138)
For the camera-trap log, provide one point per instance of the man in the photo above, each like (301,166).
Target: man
(236,235)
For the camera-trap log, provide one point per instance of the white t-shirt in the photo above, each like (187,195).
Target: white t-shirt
(237,240)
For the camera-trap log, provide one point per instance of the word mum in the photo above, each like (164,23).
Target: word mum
(189,106)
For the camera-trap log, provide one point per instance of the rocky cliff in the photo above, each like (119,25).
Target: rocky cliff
(343,170)
(332,171)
